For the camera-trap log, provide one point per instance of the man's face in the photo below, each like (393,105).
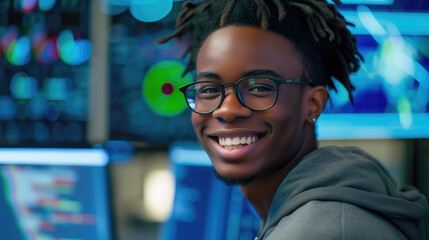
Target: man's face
(275,135)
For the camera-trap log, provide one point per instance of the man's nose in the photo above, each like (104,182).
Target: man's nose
(231,108)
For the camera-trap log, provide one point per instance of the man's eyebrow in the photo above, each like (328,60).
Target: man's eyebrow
(260,72)
(249,73)
(207,75)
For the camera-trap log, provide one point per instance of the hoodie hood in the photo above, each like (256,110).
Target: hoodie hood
(352,176)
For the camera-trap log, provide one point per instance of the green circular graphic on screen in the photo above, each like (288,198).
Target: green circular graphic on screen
(161,88)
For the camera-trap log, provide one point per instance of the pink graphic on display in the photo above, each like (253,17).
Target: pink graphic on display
(167,88)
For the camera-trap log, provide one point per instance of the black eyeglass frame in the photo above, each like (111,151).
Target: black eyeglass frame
(234,85)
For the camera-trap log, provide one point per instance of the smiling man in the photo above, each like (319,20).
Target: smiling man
(262,69)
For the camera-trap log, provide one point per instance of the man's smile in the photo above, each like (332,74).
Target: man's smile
(232,143)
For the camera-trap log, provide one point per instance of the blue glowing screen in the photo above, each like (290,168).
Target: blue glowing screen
(54,194)
(204,207)
(392,86)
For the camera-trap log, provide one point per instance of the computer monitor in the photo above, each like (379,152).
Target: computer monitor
(204,207)
(54,194)
(391,99)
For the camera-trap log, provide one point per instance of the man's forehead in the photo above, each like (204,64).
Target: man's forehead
(242,49)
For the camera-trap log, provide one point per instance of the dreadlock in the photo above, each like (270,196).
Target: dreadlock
(315,27)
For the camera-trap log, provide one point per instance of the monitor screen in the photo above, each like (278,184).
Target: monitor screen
(391,99)
(54,194)
(204,207)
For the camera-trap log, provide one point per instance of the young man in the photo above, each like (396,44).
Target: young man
(262,67)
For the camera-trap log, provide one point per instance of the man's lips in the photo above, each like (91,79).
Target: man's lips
(235,132)
(232,140)
(232,143)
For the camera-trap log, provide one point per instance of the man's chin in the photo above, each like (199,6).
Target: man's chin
(232,180)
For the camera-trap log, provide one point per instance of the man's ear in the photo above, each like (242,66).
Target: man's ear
(315,98)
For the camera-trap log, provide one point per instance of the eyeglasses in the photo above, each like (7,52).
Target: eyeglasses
(255,93)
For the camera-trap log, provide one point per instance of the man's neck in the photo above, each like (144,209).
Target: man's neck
(260,192)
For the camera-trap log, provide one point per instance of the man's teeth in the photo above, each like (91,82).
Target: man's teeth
(236,141)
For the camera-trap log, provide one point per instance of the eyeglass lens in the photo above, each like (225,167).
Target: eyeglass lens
(255,93)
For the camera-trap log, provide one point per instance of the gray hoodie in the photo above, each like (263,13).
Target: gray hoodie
(343,193)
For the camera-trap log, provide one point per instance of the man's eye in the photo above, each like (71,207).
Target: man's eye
(260,89)
(209,90)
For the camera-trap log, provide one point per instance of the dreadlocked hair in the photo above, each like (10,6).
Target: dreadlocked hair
(315,28)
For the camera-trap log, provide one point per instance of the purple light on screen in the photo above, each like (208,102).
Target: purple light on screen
(167,88)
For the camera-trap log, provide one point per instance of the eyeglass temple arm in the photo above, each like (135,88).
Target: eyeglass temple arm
(296,80)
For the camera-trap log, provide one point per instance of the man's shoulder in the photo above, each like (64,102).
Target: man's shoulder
(314,220)
(333,220)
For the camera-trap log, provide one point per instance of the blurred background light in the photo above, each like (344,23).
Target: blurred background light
(119,2)
(23,87)
(58,89)
(47,52)
(71,51)
(369,21)
(46,5)
(399,64)
(58,132)
(70,4)
(150,10)
(21,110)
(340,97)
(53,111)
(142,10)
(37,107)
(408,23)
(159,77)
(76,106)
(158,194)
(114,7)
(36,85)
(405,113)
(8,108)
(4,6)
(40,132)
(10,36)
(395,79)
(120,151)
(38,36)
(74,132)
(369,2)
(367,126)
(19,51)
(12,132)
(45,48)
(27,5)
